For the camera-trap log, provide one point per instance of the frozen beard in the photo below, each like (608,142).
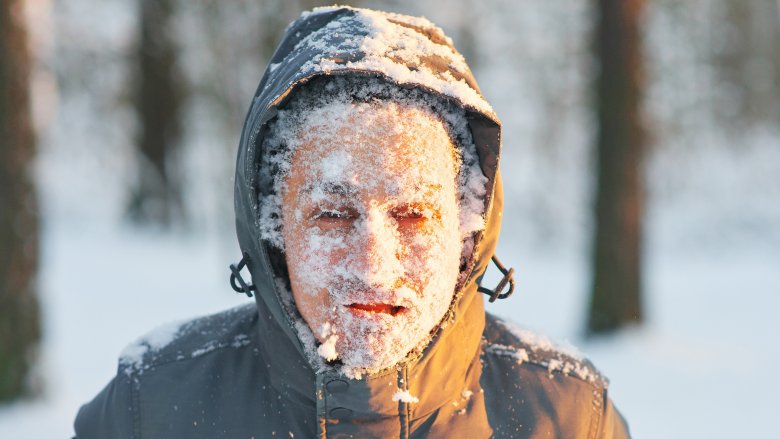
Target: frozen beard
(371,229)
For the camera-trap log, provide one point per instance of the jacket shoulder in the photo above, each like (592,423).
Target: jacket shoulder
(506,340)
(534,388)
(190,339)
(115,412)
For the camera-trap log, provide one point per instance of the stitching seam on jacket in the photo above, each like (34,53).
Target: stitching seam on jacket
(596,412)
(403,408)
(135,397)
(408,406)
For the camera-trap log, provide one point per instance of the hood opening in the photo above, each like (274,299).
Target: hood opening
(331,43)
(275,156)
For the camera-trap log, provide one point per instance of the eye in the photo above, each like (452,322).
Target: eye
(331,218)
(332,215)
(412,214)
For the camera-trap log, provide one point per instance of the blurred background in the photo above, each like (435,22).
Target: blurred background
(642,188)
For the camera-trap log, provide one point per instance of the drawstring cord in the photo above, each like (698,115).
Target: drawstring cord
(235,275)
(496,293)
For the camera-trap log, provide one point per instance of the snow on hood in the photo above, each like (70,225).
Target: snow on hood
(392,44)
(407,51)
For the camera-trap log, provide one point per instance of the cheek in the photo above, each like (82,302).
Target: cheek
(313,254)
(434,252)
(437,237)
(326,249)
(308,256)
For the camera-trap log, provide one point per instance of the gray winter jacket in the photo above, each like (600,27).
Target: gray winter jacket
(244,373)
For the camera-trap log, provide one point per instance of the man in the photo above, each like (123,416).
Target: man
(368,205)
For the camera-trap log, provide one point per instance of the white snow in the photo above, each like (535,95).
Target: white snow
(327,349)
(389,49)
(132,355)
(570,363)
(375,254)
(239,340)
(538,341)
(313,107)
(405,396)
(520,355)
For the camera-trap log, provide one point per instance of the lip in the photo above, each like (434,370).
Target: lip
(376,308)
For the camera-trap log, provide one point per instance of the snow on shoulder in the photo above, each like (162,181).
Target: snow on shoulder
(506,339)
(188,339)
(132,356)
(405,49)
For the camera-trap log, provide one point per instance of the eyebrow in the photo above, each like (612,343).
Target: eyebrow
(330,187)
(427,186)
(345,189)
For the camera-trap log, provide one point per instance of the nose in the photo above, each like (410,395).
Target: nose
(377,249)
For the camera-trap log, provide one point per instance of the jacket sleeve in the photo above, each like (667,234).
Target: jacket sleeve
(113,412)
(613,425)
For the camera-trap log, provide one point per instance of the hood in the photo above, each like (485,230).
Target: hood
(349,41)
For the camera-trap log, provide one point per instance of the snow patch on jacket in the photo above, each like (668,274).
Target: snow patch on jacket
(187,339)
(133,355)
(505,339)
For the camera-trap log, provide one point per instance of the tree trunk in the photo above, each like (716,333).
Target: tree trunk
(616,296)
(19,314)
(159,94)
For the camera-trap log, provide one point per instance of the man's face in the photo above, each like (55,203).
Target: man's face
(371,230)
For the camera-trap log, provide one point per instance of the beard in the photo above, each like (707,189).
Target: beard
(372,328)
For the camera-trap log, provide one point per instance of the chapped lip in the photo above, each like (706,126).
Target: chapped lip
(376,308)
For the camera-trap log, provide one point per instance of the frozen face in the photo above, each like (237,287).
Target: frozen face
(371,230)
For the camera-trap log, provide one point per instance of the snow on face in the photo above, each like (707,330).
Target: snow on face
(280,142)
(372,229)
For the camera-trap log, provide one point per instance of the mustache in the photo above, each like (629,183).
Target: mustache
(356,290)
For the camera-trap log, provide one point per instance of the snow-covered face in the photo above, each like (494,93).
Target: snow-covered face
(371,230)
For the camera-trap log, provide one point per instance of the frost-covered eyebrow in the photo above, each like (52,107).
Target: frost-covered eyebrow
(335,188)
(431,187)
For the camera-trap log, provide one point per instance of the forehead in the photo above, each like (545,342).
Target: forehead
(347,147)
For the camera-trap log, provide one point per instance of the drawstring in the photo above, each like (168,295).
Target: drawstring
(235,275)
(495,293)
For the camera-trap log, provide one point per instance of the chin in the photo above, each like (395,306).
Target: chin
(371,361)
(371,348)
